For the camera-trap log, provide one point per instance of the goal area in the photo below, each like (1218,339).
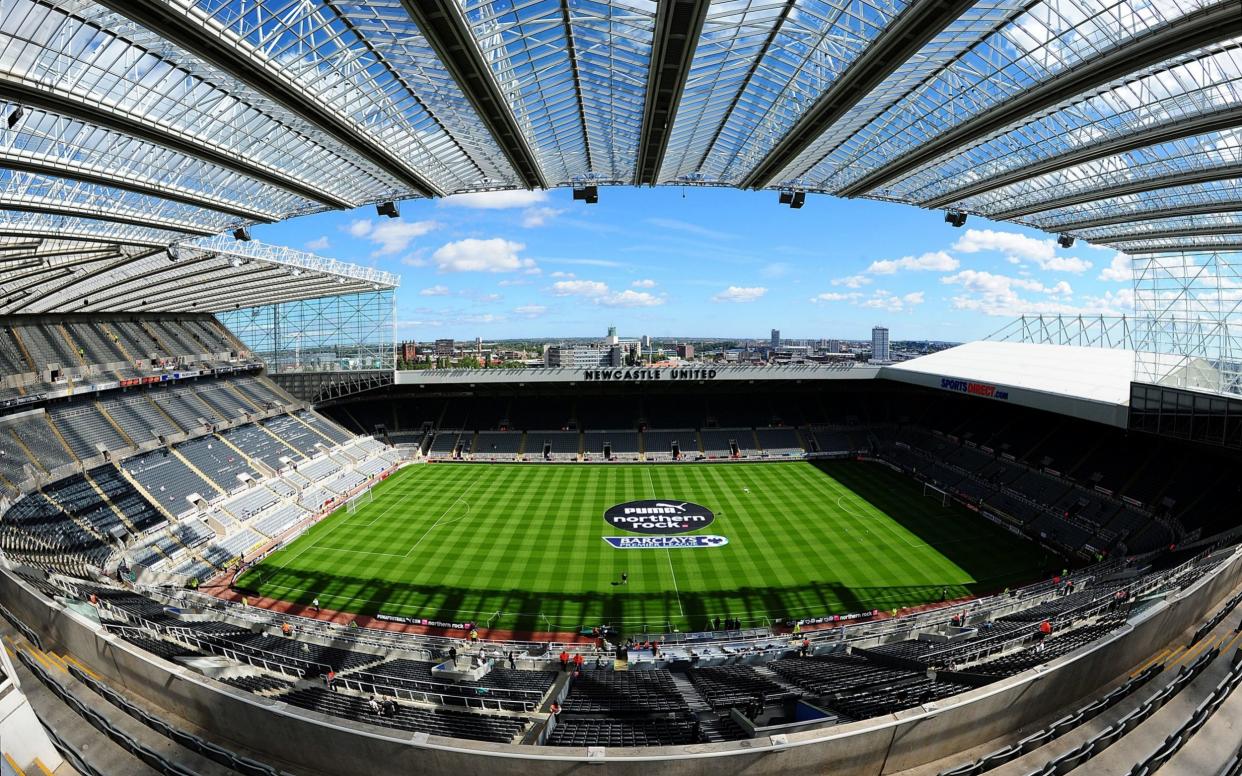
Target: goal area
(357,500)
(931,491)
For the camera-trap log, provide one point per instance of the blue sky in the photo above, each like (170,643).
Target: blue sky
(706,262)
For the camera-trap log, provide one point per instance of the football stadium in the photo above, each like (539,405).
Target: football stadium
(240,532)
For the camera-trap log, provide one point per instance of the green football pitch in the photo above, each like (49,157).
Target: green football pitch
(521,546)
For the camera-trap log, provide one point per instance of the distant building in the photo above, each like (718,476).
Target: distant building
(776,339)
(582,356)
(478,344)
(409,352)
(646,343)
(685,351)
(832,346)
(444,347)
(879,345)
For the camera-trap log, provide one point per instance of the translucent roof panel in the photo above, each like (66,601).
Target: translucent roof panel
(1151,164)
(317,49)
(757,68)
(810,168)
(166,88)
(581,113)
(75,228)
(1195,244)
(1193,87)
(21,190)
(77,148)
(1219,223)
(1148,204)
(1047,39)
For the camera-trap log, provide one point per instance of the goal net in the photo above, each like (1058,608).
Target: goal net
(354,502)
(931,491)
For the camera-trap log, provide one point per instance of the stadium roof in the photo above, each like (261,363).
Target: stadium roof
(1092,383)
(94,274)
(142,123)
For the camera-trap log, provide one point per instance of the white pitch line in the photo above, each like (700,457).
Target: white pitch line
(461,498)
(667,552)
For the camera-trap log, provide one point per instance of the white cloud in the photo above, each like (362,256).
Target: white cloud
(320,243)
(631,298)
(496,200)
(994,294)
(391,236)
(513,282)
(600,293)
(1119,270)
(1070,264)
(472,255)
(853,281)
(834,296)
(530,310)
(740,294)
(538,216)
(588,288)
(937,261)
(434,291)
(559,274)
(644,283)
(1008,243)
(883,300)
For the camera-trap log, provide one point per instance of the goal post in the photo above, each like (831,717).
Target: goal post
(939,494)
(354,502)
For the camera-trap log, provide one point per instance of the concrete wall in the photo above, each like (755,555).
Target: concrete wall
(317,744)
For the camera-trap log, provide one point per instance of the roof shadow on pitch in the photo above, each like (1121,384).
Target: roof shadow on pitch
(991,556)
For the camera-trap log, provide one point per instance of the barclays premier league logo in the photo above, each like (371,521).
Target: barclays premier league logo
(666,519)
(665,542)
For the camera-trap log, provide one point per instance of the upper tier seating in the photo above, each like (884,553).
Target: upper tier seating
(217,461)
(86,429)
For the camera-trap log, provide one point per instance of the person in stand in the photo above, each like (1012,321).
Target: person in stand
(716,624)
(315,603)
(453,655)
(564,660)
(474,635)
(554,709)
(512,660)
(578,661)
(330,680)
(286,629)
(1045,630)
(806,647)
(373,705)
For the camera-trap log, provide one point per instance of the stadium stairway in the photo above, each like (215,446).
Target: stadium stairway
(97,749)
(1209,753)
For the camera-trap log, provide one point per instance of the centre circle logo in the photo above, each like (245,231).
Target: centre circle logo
(663,517)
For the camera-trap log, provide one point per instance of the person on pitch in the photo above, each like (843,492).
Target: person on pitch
(625,577)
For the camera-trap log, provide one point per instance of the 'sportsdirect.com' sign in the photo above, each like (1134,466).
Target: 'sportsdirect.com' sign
(974,389)
(659,516)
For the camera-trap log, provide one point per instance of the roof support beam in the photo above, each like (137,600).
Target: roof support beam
(1231,206)
(74,279)
(93,114)
(900,41)
(8,230)
(177,288)
(1218,22)
(1175,247)
(88,257)
(124,289)
(1124,235)
(1165,133)
(96,214)
(72,173)
(261,295)
(572,50)
(678,24)
(446,31)
(1133,187)
(226,54)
